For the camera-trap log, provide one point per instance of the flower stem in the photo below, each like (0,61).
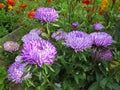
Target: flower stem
(48,31)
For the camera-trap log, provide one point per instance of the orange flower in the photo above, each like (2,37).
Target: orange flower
(50,1)
(31,14)
(2,5)
(23,5)
(118,8)
(115,64)
(104,4)
(10,7)
(11,2)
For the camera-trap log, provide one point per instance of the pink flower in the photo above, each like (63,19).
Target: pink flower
(11,46)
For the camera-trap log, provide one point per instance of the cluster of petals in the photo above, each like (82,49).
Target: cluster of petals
(46,14)
(101,39)
(78,40)
(16,71)
(11,46)
(37,50)
(98,26)
(103,55)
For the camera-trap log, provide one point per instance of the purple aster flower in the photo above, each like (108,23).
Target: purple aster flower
(78,40)
(16,71)
(39,52)
(118,16)
(98,26)
(35,31)
(11,46)
(57,84)
(75,25)
(33,34)
(103,55)
(101,39)
(59,35)
(46,14)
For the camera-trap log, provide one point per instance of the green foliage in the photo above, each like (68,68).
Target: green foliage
(3,76)
(71,70)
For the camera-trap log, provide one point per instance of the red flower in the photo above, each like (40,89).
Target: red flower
(11,2)
(101,11)
(86,2)
(31,14)
(23,5)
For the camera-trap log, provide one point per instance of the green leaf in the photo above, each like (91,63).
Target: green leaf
(109,85)
(57,88)
(0,46)
(117,77)
(40,88)
(103,82)
(94,86)
(2,80)
(45,68)
(84,57)
(30,83)
(76,78)
(3,74)
(50,68)
(56,25)
(116,86)
(1,87)
(113,86)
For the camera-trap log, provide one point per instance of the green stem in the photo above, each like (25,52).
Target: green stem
(48,31)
